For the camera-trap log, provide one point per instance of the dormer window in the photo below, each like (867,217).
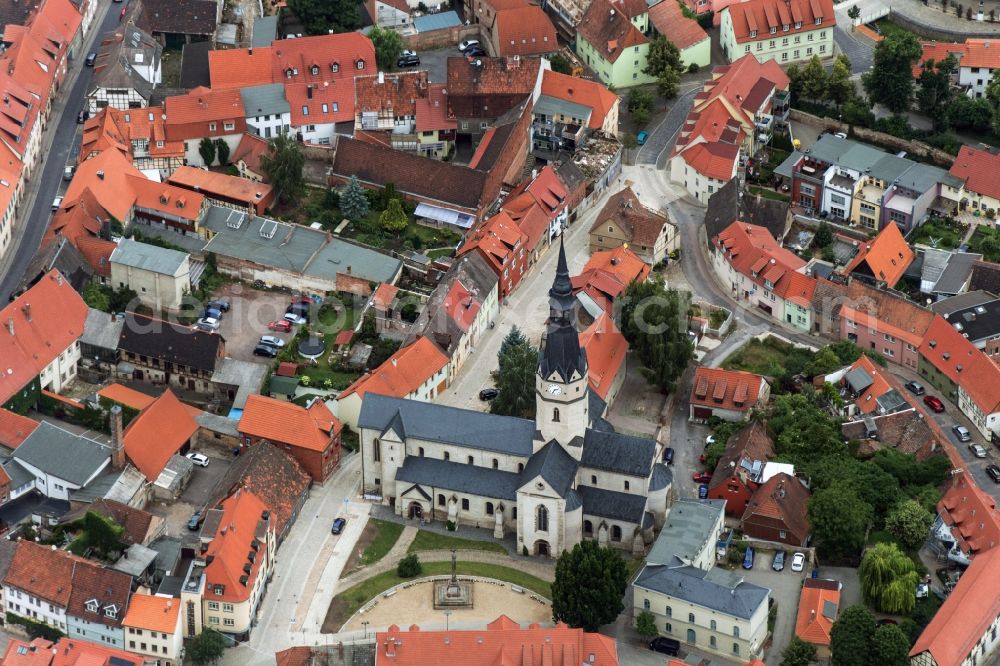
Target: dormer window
(361,64)
(93,605)
(798,24)
(314,70)
(819,20)
(335,67)
(753,33)
(768,284)
(784,27)
(289,73)
(111,611)
(773,29)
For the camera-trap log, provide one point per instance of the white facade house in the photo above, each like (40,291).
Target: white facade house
(267,111)
(127,69)
(161,277)
(392,14)
(60,461)
(152,628)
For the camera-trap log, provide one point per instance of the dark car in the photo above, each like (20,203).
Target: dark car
(748,558)
(212,312)
(408,61)
(475,51)
(194,522)
(81,117)
(914,388)
(338,525)
(779,561)
(934,403)
(91,59)
(703,491)
(668,456)
(300,309)
(219,304)
(488,394)
(667,646)
(265,350)
(994,473)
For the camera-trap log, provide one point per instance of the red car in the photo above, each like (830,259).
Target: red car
(934,403)
(305,300)
(701,477)
(281,325)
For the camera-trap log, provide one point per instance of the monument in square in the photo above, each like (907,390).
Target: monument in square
(453,593)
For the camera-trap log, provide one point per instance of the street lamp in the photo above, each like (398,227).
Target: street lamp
(447,620)
(365,623)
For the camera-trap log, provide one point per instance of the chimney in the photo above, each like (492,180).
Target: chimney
(100,174)
(117,439)
(10,325)
(26,309)
(381,78)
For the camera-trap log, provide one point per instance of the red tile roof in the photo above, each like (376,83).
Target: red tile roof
(965,617)
(783,499)
(393,94)
(813,624)
(970,53)
(432,110)
(621,262)
(172,199)
(322,52)
(21,653)
(461,306)
(938,51)
(14,428)
(336,97)
(240,68)
(106,176)
(670,21)
(606,348)
(385,294)
(978,168)
(250,150)
(759,16)
(43,571)
(403,372)
(155,613)
(232,547)
(887,256)
(525,31)
(867,401)
(530,217)
(725,389)
(490,88)
(962,363)
(884,312)
(36,328)
(605,26)
(67,652)
(135,522)
(752,251)
(116,129)
(499,238)
(288,423)
(971,514)
(580,91)
(750,443)
(157,433)
(213,183)
(200,107)
(641,224)
(503,642)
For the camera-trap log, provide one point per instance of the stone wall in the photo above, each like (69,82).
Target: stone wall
(436,39)
(978,29)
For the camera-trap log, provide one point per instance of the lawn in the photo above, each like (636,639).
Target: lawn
(385,538)
(939,233)
(321,375)
(762,358)
(426,540)
(987,241)
(887,28)
(768,194)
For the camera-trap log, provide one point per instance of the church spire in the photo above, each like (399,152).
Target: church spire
(561,352)
(561,301)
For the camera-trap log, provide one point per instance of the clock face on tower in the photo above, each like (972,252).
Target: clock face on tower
(554,389)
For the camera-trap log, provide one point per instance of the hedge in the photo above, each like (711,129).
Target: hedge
(35,629)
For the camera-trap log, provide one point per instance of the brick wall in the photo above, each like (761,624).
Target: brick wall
(436,39)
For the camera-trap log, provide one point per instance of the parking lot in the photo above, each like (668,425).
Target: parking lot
(785,588)
(436,63)
(247,319)
(200,490)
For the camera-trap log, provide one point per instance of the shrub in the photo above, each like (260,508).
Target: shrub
(409,566)
(35,629)
(451,526)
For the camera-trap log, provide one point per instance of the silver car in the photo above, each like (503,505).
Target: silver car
(272,340)
(209,324)
(977,450)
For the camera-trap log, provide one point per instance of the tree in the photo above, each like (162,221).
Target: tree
(283,163)
(645,625)
(888,579)
(207,647)
(890,81)
(803,429)
(654,321)
(353,202)
(96,298)
(393,218)
(515,377)
(972,114)
(857,111)
(794,73)
(322,16)
(993,96)
(222,151)
(839,87)
(639,98)
(854,12)
(714,453)
(851,637)
(909,522)
(206,148)
(388,45)
(839,519)
(409,566)
(934,93)
(628,141)
(100,536)
(890,646)
(824,237)
(668,83)
(663,62)
(640,117)
(798,653)
(589,584)
(814,80)
(561,64)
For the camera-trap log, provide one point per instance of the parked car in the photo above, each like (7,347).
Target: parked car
(962,433)
(466,43)
(219,304)
(408,61)
(664,645)
(338,525)
(407,52)
(198,459)
(702,491)
(934,403)
(212,313)
(68,172)
(56,203)
(779,561)
(978,450)
(701,477)
(272,341)
(488,394)
(91,59)
(641,137)
(840,135)
(994,473)
(81,117)
(282,325)
(668,456)
(208,324)
(194,522)
(709,441)
(798,561)
(915,388)
(301,300)
(265,350)
(748,558)
(294,318)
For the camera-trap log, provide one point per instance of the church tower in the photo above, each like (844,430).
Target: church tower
(561,388)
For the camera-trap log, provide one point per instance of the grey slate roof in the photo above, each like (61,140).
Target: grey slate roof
(892,401)
(616,452)
(729,204)
(265,31)
(146,257)
(117,54)
(718,590)
(553,464)
(977,322)
(689,527)
(458,477)
(858,379)
(573,501)
(885,166)
(450,425)
(612,504)
(18,475)
(969,299)
(957,272)
(661,477)
(62,454)
(101,329)
(268,99)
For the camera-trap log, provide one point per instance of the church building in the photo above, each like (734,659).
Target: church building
(555,481)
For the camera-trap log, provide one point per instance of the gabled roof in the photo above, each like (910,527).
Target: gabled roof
(170,342)
(213,184)
(524,31)
(880,310)
(498,239)
(961,362)
(753,252)
(14,428)
(978,168)
(36,328)
(235,544)
(971,514)
(642,225)
(725,389)
(489,87)
(577,90)
(670,21)
(98,591)
(402,373)
(432,110)
(730,204)
(187,17)
(153,258)
(119,54)
(106,175)
(250,150)
(717,589)
(240,68)
(621,262)
(819,606)
(606,348)
(285,422)
(201,105)
(153,612)
(783,498)
(158,432)
(134,521)
(606,27)
(886,258)
(759,17)
(323,52)
(43,571)
(394,94)
(554,465)
(748,445)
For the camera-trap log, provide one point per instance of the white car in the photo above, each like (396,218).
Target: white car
(272,340)
(208,324)
(407,52)
(56,203)
(798,561)
(978,450)
(467,43)
(198,459)
(294,318)
(709,441)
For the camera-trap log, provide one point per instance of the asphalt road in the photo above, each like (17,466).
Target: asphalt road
(32,223)
(663,136)
(858,50)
